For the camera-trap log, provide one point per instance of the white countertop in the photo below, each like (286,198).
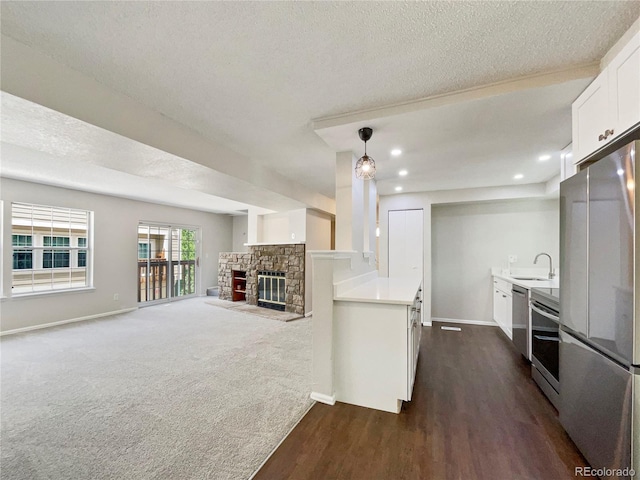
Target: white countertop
(555,283)
(399,291)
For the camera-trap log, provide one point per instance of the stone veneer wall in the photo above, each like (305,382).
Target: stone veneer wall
(287,258)
(228,261)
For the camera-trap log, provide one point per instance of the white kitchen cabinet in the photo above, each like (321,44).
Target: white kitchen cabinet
(610,104)
(376,336)
(502,305)
(590,117)
(624,86)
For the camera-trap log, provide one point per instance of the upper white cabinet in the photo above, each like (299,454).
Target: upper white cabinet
(624,86)
(590,118)
(610,104)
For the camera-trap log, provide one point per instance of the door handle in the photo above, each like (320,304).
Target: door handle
(197,261)
(544,314)
(546,339)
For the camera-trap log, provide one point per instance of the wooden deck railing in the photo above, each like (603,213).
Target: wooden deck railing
(183,282)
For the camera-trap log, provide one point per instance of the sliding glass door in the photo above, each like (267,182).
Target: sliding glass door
(167,262)
(184,261)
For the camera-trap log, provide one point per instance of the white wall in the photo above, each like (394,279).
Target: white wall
(469,239)
(282,227)
(318,226)
(115,252)
(240,227)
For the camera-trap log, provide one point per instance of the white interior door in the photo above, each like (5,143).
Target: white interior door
(406,242)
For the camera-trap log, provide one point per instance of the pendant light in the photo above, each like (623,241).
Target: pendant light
(366,166)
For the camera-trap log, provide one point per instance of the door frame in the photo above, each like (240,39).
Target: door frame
(198,276)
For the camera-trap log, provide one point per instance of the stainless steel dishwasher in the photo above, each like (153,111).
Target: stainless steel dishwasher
(520,319)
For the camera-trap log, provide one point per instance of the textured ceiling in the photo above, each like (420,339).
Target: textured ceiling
(46,146)
(252,75)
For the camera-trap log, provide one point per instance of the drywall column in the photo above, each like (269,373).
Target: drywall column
(349,204)
(370,203)
(322,389)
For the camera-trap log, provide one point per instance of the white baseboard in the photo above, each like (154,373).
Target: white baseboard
(468,322)
(322,398)
(308,314)
(64,322)
(427,324)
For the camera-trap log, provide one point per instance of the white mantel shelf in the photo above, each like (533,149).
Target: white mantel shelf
(399,291)
(263,244)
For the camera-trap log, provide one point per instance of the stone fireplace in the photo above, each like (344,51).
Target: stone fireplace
(284,262)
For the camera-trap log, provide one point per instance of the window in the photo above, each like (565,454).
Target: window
(55,258)
(51,248)
(143,251)
(82,252)
(22,257)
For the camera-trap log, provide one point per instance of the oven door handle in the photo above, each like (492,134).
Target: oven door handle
(545,338)
(544,314)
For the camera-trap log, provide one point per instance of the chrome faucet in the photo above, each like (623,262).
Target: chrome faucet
(551,274)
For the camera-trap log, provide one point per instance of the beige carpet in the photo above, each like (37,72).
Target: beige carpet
(182,390)
(244,307)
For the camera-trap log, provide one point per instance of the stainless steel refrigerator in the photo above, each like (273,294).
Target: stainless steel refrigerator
(600,312)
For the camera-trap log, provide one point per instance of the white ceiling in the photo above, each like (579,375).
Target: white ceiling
(479,143)
(253,75)
(45,146)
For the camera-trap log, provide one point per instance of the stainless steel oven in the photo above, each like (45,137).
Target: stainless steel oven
(545,341)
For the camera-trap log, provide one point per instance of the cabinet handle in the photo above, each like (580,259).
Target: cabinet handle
(504,296)
(607,134)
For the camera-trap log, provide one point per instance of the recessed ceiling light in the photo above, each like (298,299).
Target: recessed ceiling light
(544,158)
(518,176)
(402,173)
(398,189)
(395,152)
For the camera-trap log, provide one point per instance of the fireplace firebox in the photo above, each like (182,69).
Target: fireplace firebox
(272,290)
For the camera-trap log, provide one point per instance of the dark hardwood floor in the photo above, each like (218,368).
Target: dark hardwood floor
(475,414)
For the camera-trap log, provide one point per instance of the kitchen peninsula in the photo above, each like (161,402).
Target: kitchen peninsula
(367,335)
